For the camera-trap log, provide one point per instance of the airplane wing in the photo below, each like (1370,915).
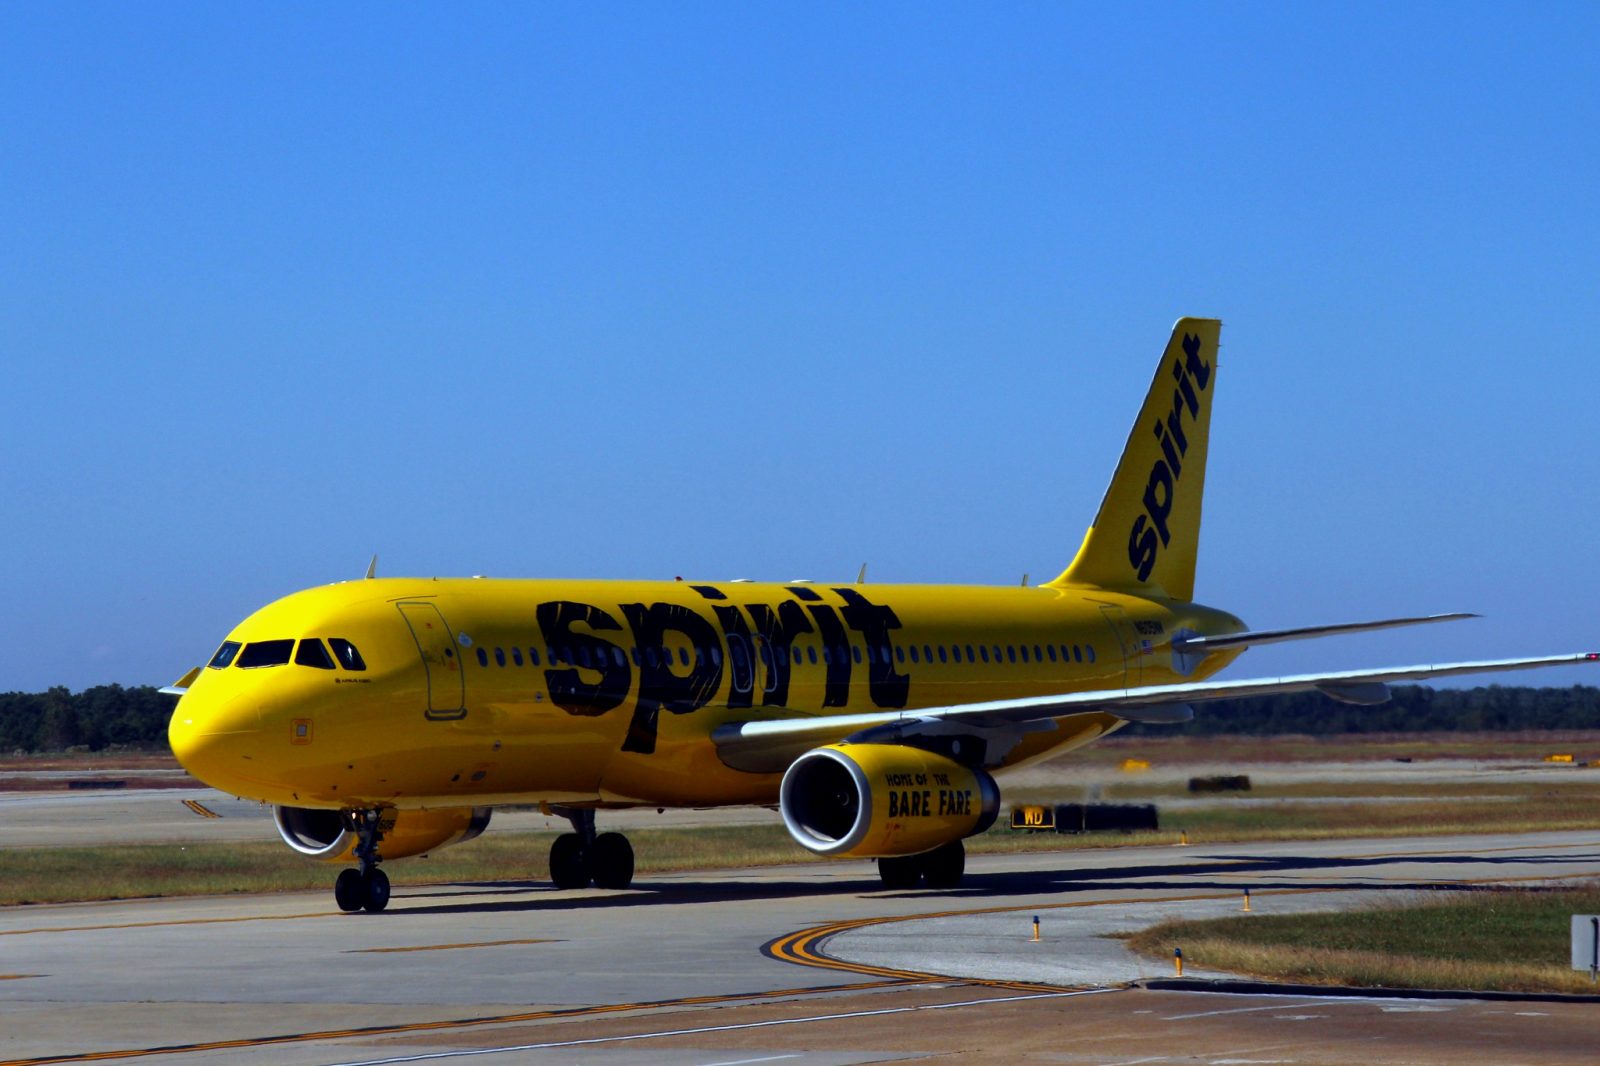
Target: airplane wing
(180,686)
(770,745)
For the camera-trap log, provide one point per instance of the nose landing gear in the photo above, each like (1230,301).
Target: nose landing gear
(365,887)
(581,858)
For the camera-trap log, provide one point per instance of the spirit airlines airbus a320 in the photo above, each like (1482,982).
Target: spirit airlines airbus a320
(388,717)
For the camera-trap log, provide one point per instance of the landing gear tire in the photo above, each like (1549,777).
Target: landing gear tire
(569,866)
(611,861)
(364,887)
(376,891)
(944,865)
(900,871)
(348,891)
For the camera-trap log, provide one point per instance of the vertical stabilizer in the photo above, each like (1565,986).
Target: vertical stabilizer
(1146,535)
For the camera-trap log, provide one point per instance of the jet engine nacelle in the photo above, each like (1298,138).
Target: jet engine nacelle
(326,834)
(871,800)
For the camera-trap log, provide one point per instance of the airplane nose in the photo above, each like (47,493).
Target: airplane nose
(206,738)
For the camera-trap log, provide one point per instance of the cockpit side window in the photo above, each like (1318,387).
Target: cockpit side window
(312,653)
(346,653)
(264,653)
(225,654)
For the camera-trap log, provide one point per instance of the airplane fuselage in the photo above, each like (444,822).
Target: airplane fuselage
(603,693)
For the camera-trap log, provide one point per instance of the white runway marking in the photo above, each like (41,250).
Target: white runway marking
(512,1049)
(1232,1010)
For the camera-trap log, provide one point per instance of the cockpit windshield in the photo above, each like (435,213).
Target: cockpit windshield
(346,653)
(225,654)
(312,653)
(265,653)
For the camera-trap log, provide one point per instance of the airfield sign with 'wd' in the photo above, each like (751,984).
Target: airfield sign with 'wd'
(1033,817)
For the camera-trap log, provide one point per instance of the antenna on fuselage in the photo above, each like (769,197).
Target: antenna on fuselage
(861,578)
(1024,580)
(372,567)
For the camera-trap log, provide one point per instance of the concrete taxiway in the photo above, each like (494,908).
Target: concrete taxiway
(806,964)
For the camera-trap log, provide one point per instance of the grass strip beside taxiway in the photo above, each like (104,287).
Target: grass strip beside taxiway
(1496,939)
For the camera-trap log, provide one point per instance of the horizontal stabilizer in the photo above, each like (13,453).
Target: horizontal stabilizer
(1191,645)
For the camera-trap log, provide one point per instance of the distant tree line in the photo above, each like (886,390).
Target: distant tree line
(1413,709)
(110,716)
(97,718)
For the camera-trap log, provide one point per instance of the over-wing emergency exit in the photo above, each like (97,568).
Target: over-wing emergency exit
(387,717)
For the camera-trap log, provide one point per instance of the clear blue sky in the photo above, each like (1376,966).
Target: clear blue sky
(769,291)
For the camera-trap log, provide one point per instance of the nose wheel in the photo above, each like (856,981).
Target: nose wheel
(365,887)
(582,857)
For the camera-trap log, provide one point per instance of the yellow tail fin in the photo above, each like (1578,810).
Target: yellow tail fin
(1147,534)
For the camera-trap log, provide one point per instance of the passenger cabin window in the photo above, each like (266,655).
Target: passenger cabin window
(500,656)
(516,656)
(225,654)
(265,653)
(312,653)
(483,657)
(533,656)
(346,653)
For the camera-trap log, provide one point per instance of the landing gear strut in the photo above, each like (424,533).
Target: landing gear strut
(581,857)
(366,887)
(940,868)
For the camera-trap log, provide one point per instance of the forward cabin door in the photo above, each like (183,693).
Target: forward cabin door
(447,682)
(1127,641)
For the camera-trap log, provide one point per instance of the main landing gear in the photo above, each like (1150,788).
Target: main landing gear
(366,887)
(581,858)
(940,868)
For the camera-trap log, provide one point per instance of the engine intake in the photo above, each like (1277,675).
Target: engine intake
(323,834)
(883,799)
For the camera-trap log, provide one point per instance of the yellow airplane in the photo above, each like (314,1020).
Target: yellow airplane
(387,717)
